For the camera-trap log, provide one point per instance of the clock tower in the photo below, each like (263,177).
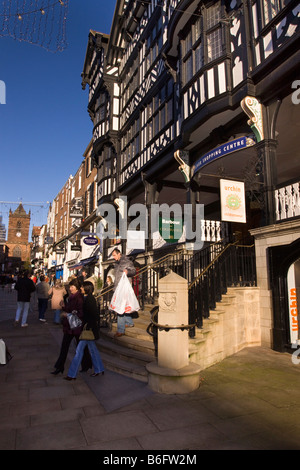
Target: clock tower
(18,232)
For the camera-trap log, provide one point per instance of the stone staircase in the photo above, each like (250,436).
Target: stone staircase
(230,328)
(129,354)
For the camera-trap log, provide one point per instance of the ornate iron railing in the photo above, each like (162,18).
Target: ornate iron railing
(209,273)
(234,266)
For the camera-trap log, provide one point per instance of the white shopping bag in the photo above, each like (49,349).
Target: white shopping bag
(2,352)
(124,299)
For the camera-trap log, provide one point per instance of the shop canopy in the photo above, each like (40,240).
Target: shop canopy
(84,262)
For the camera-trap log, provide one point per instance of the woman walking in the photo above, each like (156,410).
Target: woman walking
(75,303)
(42,292)
(57,293)
(91,322)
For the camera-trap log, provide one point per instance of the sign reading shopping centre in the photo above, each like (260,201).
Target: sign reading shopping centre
(221,151)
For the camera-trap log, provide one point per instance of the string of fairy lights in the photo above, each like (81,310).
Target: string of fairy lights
(40,22)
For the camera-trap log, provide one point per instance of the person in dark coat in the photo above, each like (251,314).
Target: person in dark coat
(24,286)
(122,265)
(91,321)
(74,304)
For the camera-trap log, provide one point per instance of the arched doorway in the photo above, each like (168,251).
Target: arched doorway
(284,263)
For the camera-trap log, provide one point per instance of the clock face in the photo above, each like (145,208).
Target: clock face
(18,234)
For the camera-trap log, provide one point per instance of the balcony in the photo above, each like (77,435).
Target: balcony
(287,202)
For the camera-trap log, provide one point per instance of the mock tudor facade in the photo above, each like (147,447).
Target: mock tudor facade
(185,93)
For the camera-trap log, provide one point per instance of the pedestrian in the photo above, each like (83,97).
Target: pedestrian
(57,293)
(24,286)
(122,265)
(83,276)
(74,304)
(42,292)
(91,322)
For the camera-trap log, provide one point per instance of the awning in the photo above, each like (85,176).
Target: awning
(91,260)
(84,262)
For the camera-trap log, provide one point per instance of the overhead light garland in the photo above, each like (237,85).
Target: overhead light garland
(41,22)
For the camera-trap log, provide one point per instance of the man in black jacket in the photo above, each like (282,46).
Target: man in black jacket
(122,265)
(25,286)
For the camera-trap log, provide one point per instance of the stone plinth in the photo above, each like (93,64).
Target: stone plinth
(172,373)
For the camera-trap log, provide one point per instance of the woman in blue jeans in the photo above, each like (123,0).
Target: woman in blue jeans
(90,319)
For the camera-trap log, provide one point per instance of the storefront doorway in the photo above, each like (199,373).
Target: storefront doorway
(284,263)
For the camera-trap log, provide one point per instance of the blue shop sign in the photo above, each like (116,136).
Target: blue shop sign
(221,151)
(91,241)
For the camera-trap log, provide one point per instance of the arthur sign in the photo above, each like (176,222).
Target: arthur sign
(233,207)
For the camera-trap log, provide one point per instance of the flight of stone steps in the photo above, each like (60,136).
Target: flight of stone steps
(129,354)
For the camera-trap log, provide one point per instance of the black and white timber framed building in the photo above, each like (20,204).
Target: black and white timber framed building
(174,81)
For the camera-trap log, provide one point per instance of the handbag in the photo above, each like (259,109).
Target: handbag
(5,355)
(2,352)
(86,334)
(74,320)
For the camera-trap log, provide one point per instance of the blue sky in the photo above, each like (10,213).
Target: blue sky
(44,125)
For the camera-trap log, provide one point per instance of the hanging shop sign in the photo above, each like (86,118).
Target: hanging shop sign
(91,241)
(76,209)
(221,151)
(170,229)
(135,240)
(75,248)
(233,205)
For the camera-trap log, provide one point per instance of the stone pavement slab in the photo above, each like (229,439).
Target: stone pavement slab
(250,401)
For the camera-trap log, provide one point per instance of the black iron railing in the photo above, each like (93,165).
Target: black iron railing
(233,266)
(209,273)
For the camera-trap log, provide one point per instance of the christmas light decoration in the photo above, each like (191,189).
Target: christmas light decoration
(40,22)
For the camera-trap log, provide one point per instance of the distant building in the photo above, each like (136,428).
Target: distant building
(72,215)
(2,231)
(17,238)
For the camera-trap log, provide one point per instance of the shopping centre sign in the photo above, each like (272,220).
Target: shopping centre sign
(221,151)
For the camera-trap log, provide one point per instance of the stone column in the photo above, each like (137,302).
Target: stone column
(172,373)
(173,310)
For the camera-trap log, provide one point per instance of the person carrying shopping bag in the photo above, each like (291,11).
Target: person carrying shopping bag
(91,325)
(122,265)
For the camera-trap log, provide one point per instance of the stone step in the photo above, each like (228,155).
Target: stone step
(116,349)
(124,367)
(131,342)
(129,354)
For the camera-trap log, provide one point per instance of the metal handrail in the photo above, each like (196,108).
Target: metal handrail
(168,327)
(155,264)
(145,269)
(215,260)
(210,264)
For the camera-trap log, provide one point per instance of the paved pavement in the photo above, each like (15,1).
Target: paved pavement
(249,401)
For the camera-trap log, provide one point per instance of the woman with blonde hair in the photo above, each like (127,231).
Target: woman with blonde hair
(57,293)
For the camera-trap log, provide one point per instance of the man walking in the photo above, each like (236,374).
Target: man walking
(24,287)
(122,265)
